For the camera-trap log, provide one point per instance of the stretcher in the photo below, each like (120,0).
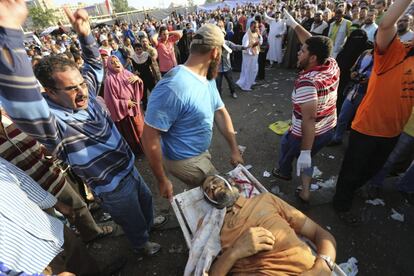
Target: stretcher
(190,206)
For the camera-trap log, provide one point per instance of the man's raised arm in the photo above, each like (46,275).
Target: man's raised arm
(93,70)
(301,32)
(387,29)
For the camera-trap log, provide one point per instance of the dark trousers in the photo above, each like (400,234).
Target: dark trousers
(262,64)
(229,77)
(364,157)
(74,258)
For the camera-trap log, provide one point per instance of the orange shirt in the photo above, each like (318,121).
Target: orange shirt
(387,105)
(290,255)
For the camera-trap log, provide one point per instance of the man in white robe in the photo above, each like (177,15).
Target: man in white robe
(277,30)
(250,66)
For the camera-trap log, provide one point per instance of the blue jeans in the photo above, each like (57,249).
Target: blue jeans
(406,184)
(348,110)
(404,147)
(130,206)
(290,147)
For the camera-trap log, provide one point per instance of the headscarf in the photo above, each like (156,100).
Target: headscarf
(118,91)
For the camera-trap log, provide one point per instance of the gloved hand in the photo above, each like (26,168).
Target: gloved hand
(304,161)
(290,21)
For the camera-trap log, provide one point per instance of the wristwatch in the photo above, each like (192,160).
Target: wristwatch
(328,261)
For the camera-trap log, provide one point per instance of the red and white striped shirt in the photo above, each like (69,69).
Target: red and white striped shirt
(317,84)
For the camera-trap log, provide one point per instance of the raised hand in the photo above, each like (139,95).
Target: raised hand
(13,13)
(79,20)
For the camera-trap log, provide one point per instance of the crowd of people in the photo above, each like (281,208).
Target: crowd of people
(78,108)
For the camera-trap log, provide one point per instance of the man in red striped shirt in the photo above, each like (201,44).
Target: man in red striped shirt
(314,107)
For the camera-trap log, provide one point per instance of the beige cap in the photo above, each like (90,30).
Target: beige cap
(211,35)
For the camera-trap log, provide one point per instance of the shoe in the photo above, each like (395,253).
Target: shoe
(107,231)
(349,218)
(159,221)
(335,143)
(276,173)
(104,218)
(149,249)
(234,95)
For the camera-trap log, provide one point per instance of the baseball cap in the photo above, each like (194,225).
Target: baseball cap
(210,34)
(103,37)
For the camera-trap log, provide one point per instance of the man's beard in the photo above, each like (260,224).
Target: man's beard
(226,197)
(212,71)
(303,65)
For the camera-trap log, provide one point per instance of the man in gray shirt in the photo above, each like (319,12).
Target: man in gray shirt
(225,66)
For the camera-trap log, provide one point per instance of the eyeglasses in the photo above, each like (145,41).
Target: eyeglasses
(72,89)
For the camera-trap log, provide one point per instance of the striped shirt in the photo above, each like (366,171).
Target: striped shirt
(27,154)
(29,237)
(86,139)
(317,84)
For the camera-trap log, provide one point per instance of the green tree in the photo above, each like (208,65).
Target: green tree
(42,18)
(120,5)
(210,1)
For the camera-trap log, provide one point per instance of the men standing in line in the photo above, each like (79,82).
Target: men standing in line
(339,30)
(71,123)
(180,115)
(250,66)
(314,107)
(383,112)
(275,37)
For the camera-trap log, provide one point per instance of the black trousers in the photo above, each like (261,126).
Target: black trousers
(364,157)
(229,77)
(262,64)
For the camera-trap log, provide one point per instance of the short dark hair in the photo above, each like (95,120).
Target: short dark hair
(162,29)
(320,46)
(137,45)
(49,65)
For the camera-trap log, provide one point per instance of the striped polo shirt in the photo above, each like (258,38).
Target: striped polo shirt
(319,84)
(87,139)
(27,154)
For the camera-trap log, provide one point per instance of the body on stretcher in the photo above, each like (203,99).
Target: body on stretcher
(190,206)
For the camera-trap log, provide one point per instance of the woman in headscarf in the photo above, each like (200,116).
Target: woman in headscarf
(146,71)
(123,93)
(356,43)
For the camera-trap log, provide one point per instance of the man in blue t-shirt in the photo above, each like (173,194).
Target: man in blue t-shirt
(180,114)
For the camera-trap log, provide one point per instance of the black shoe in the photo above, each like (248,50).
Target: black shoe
(276,173)
(234,95)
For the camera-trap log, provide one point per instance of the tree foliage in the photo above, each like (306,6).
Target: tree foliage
(42,18)
(210,1)
(120,5)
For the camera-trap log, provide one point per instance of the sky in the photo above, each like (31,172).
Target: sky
(134,3)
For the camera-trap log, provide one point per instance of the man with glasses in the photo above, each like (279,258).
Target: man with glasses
(72,125)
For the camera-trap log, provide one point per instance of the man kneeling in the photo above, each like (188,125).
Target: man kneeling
(260,235)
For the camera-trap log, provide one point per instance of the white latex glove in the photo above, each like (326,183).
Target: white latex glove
(290,21)
(304,161)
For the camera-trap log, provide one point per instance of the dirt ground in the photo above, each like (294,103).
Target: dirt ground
(381,245)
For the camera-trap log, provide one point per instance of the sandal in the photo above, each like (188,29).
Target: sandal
(276,173)
(107,231)
(350,219)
